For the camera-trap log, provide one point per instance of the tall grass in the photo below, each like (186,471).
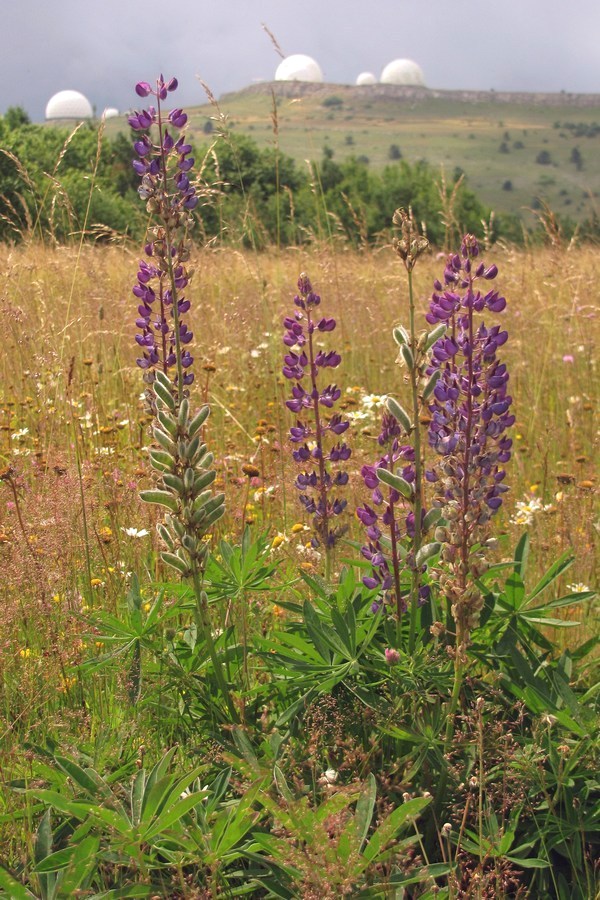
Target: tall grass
(73,431)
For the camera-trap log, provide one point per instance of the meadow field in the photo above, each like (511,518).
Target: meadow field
(75,438)
(332,640)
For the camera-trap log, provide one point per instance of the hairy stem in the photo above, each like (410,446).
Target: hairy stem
(418,506)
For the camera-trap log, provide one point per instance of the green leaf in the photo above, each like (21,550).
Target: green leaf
(421,876)
(79,809)
(364,810)
(138,789)
(522,555)
(174,482)
(171,559)
(514,591)
(166,443)
(175,813)
(554,572)
(390,827)
(126,893)
(14,889)
(54,862)
(161,460)
(198,421)
(347,637)
(165,395)
(42,850)
(282,785)
(162,498)
(313,626)
(82,864)
(182,416)
(92,786)
(168,423)
(529,862)
(43,841)
(432,517)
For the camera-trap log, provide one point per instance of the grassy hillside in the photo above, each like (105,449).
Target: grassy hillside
(496,139)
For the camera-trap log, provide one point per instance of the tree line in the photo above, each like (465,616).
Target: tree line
(62,182)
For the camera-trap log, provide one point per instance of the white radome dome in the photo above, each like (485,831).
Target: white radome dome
(366,78)
(69,105)
(299,67)
(111,112)
(403,71)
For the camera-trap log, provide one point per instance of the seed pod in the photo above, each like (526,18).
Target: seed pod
(396,482)
(400,414)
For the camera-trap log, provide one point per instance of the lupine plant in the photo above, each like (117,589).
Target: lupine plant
(180,459)
(399,476)
(303,363)
(470,413)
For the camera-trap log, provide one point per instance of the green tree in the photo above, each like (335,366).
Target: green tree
(16,117)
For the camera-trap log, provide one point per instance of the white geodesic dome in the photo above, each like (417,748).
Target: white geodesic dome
(366,78)
(299,67)
(111,112)
(403,71)
(69,105)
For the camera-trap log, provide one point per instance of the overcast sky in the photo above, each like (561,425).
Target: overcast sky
(102,47)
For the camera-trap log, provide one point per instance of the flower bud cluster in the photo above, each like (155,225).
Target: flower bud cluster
(470,414)
(409,245)
(182,463)
(163,163)
(315,436)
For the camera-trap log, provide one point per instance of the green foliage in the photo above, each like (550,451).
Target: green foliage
(543,158)
(64,183)
(16,117)
(333,102)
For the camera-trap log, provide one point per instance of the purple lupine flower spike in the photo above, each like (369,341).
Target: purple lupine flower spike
(470,414)
(317,451)
(163,164)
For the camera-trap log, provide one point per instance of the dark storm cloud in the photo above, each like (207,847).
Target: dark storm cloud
(103,48)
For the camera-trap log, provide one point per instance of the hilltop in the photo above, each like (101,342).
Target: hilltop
(515,148)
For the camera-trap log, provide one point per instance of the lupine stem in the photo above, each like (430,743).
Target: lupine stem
(169,257)
(464,549)
(418,506)
(319,442)
(203,621)
(396,569)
